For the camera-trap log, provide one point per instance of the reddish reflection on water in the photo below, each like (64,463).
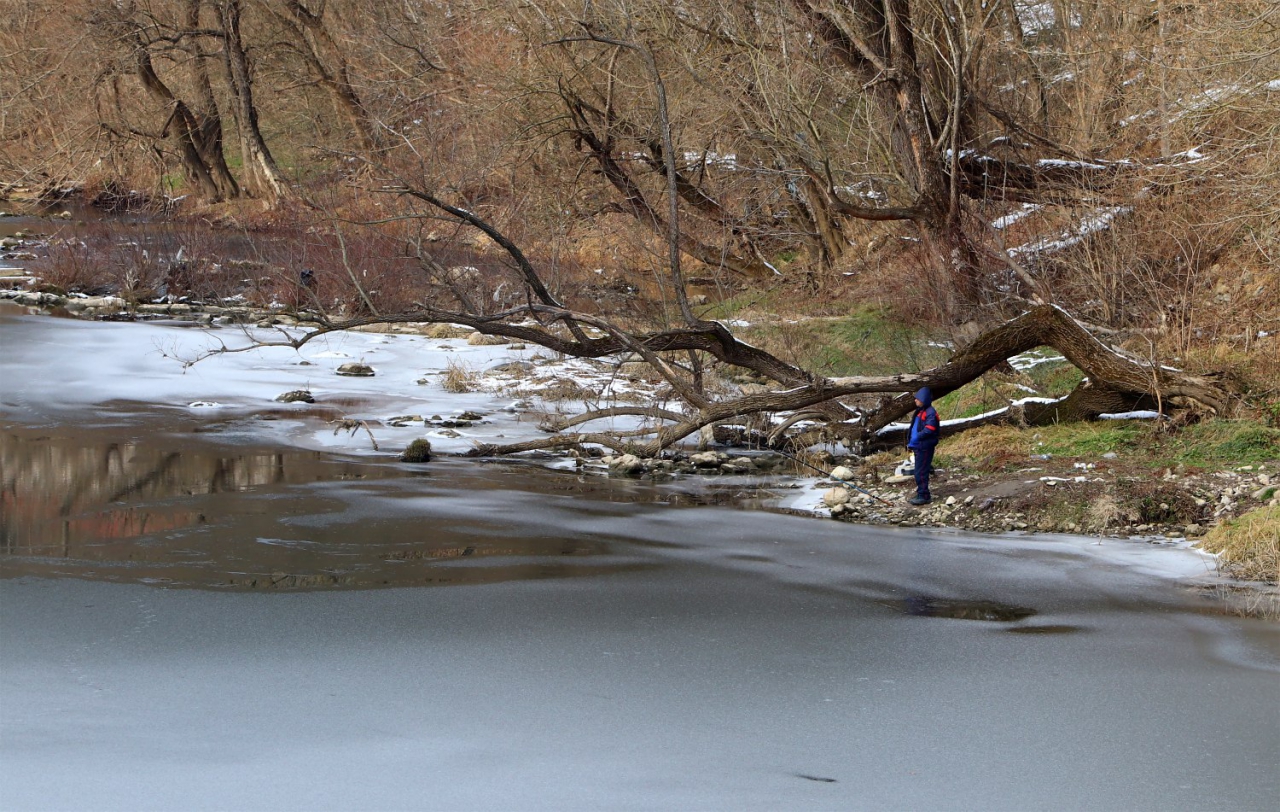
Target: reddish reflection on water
(78,504)
(64,491)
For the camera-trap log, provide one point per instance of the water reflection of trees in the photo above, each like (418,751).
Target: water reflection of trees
(57,492)
(128,511)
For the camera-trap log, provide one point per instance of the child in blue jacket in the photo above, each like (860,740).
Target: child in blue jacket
(925,430)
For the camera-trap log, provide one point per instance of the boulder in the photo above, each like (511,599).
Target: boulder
(738,465)
(707,459)
(511,368)
(296,396)
(400,421)
(482,340)
(836,497)
(842,473)
(627,464)
(356,370)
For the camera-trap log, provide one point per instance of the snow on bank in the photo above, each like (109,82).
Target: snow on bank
(61,366)
(1099,220)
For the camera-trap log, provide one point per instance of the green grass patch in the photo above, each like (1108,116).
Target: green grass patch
(1218,444)
(1092,439)
(1055,380)
(865,342)
(1227,442)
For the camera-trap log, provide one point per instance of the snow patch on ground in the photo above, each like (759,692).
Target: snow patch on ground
(1137,415)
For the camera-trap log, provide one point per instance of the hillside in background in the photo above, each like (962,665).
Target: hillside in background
(946,164)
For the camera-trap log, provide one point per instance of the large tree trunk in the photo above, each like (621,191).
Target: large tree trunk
(262,177)
(1115,382)
(207,136)
(183,125)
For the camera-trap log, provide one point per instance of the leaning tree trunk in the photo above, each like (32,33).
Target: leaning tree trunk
(207,136)
(1114,382)
(261,175)
(183,125)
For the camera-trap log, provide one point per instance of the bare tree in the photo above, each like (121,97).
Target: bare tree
(262,175)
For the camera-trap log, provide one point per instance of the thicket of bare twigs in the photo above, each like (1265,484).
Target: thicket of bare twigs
(603,177)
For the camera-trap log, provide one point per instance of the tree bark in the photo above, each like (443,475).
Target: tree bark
(262,177)
(208,133)
(1115,382)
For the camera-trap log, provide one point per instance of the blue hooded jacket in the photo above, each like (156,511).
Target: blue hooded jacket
(925,425)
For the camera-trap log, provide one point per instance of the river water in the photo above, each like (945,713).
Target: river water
(230,614)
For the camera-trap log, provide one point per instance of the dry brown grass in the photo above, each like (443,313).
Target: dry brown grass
(459,378)
(448,331)
(1249,545)
(1103,512)
(988,447)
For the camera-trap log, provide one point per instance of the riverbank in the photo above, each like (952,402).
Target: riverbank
(461,391)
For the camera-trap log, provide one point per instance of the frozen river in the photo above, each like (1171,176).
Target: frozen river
(248,618)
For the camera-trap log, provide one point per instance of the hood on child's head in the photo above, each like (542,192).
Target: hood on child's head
(925,396)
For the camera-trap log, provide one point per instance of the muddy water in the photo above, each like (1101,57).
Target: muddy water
(167,508)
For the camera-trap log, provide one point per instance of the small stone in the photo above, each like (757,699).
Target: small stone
(1110,455)
(842,473)
(296,396)
(968,500)
(951,500)
(482,340)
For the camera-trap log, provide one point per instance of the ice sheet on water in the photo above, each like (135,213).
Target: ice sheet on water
(96,363)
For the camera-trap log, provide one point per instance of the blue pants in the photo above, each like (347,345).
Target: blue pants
(924,467)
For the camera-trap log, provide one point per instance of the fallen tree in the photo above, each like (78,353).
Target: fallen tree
(800,408)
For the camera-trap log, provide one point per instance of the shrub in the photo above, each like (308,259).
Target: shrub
(417,451)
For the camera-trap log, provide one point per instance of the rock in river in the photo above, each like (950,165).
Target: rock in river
(356,369)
